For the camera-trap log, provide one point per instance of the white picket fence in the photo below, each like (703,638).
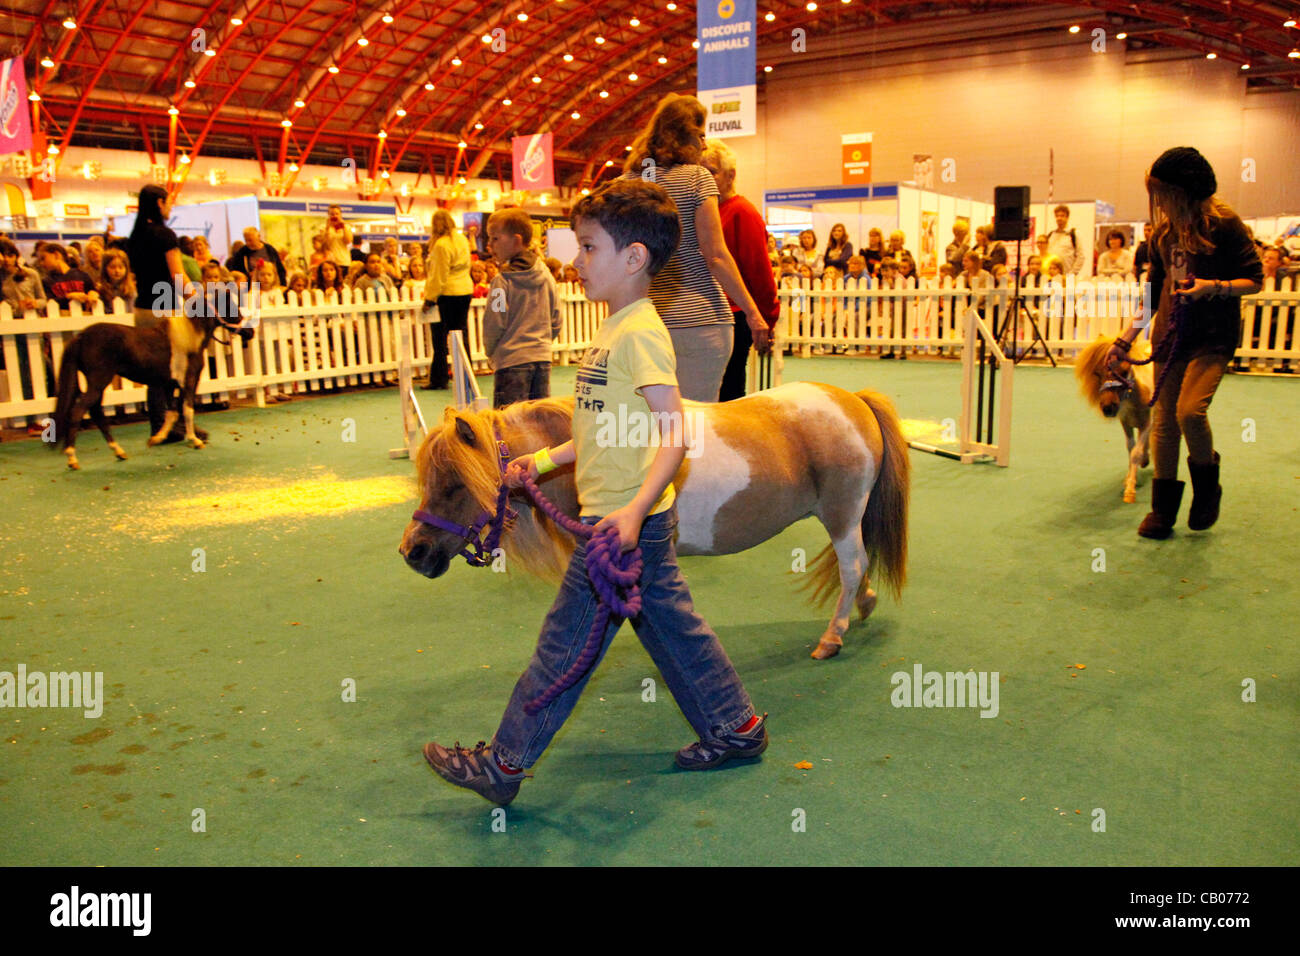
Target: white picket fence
(864,315)
(328,342)
(319,343)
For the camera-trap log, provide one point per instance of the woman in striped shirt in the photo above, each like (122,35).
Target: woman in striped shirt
(688,292)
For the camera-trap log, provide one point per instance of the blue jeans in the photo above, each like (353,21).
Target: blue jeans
(520,383)
(684,648)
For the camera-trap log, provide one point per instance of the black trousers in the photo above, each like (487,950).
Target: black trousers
(733,379)
(453,315)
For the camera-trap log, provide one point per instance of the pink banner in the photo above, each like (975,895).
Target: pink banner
(534,162)
(15,117)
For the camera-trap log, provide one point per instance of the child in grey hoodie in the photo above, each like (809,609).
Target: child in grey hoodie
(522,314)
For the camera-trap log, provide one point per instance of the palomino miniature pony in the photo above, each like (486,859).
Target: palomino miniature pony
(754,467)
(1124,395)
(168,356)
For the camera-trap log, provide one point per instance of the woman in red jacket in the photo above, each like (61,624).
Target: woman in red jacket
(745,234)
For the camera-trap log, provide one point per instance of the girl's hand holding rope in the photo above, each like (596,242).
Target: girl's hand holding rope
(518,469)
(628,522)
(1200,288)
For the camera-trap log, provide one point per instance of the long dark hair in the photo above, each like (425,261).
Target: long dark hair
(148,212)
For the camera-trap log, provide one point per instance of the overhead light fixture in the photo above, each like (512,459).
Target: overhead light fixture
(767,69)
(173,111)
(609,162)
(536,78)
(671,6)
(236,22)
(401,112)
(1289,22)
(1245,66)
(362,41)
(1294,54)
(507,101)
(1075,28)
(811,8)
(333,68)
(478,126)
(34,96)
(695,44)
(633,77)
(462,144)
(210,51)
(190,84)
(69,23)
(184,160)
(486,38)
(383,134)
(456,61)
(47,62)
(383,174)
(634,22)
(769,17)
(293,167)
(663,60)
(429,87)
(387,18)
(52,150)
(286,123)
(604,94)
(599,39)
(585,190)
(575,115)
(461,180)
(568,58)
(1211,56)
(627,149)
(522,18)
(299,104)
(1121,36)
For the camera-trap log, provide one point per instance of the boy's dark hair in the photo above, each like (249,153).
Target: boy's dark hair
(55,249)
(7,247)
(186,244)
(633,210)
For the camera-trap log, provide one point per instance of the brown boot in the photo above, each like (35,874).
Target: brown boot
(1166,496)
(1206,494)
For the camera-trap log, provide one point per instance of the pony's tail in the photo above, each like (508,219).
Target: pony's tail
(884,525)
(69,391)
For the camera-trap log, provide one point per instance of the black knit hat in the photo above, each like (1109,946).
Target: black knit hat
(1187,169)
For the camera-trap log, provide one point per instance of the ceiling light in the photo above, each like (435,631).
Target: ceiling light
(1289,22)
(585,190)
(604,94)
(599,38)
(1294,54)
(633,77)
(333,68)
(634,22)
(769,17)
(1074,29)
(362,41)
(383,174)
(1245,66)
(47,62)
(575,115)
(811,8)
(34,96)
(299,104)
(286,123)
(69,23)
(462,144)
(293,167)
(461,180)
(185,160)
(210,51)
(627,149)
(609,162)
(522,18)
(536,78)
(695,44)
(387,18)
(429,87)
(663,60)
(1211,56)
(173,111)
(767,69)
(383,134)
(1121,36)
(52,150)
(401,112)
(568,58)
(486,38)
(507,101)
(478,125)
(455,61)
(236,22)
(190,84)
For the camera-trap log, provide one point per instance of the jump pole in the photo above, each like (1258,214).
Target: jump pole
(413,427)
(467,394)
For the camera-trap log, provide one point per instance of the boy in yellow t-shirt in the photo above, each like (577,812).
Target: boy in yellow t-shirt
(626,232)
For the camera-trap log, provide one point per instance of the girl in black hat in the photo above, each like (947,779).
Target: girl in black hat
(1201,247)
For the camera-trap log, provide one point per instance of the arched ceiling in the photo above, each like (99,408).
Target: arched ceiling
(115,76)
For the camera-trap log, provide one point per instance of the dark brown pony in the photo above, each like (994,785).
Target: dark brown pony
(168,356)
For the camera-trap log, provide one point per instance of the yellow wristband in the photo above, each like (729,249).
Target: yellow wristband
(542,460)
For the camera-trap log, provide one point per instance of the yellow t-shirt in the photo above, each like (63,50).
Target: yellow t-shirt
(615,435)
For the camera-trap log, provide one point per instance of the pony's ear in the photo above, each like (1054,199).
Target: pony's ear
(466,431)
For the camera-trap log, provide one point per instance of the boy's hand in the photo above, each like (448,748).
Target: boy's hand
(518,469)
(628,522)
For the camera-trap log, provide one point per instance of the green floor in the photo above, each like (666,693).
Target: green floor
(224,688)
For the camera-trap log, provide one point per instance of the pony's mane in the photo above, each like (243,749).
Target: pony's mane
(535,542)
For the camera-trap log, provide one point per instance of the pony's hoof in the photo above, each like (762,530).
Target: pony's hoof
(1130,497)
(826,649)
(197,443)
(118,451)
(154,440)
(867,604)
(74,465)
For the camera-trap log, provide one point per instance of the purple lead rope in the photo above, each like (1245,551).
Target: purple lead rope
(614,575)
(1168,346)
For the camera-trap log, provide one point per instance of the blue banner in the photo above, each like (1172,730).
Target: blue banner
(728,35)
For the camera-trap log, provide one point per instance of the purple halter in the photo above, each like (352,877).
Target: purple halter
(501,519)
(1167,352)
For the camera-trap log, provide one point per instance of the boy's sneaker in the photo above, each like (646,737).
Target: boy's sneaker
(475,770)
(707,754)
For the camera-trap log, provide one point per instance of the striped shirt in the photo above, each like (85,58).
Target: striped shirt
(685,293)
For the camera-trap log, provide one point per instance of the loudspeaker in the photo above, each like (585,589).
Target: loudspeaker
(1010,212)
